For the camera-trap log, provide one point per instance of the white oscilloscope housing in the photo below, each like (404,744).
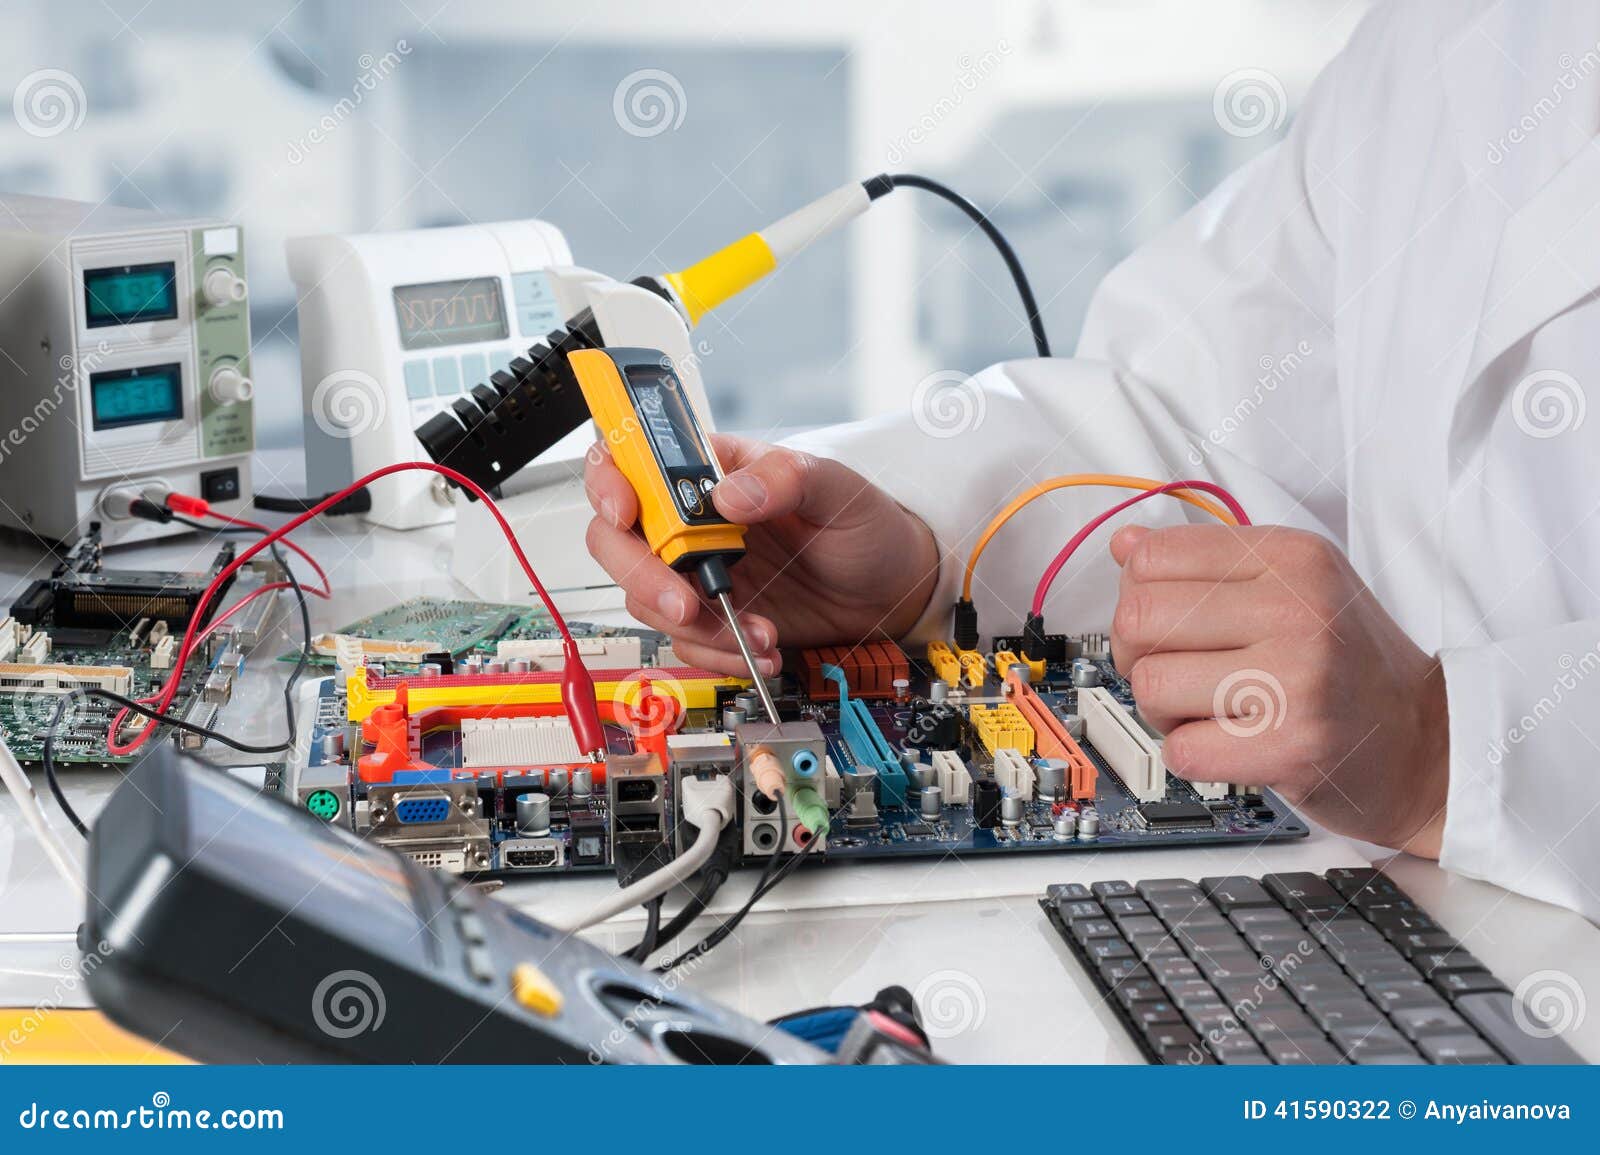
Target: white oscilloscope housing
(126,343)
(367,384)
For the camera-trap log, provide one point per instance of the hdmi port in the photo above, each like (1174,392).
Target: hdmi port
(531,856)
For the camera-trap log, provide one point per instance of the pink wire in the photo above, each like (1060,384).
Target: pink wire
(1227,499)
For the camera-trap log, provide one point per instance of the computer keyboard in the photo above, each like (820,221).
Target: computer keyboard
(1291,969)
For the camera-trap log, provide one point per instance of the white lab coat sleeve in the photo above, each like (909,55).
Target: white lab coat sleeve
(1208,353)
(1524,752)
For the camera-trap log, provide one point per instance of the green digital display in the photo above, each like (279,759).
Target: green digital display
(128,294)
(121,397)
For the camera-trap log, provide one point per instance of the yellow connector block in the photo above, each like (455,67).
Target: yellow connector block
(1005,659)
(946,666)
(974,669)
(1002,727)
(692,693)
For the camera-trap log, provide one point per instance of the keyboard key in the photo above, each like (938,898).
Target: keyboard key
(1148,1013)
(1149,946)
(1303,1052)
(1392,995)
(1142,925)
(1087,929)
(1232,892)
(1313,986)
(1416,1022)
(1348,881)
(1069,892)
(1454,984)
(1128,992)
(1079,908)
(1376,1045)
(1302,890)
(1415,943)
(1104,950)
(1151,886)
(1126,907)
(1460,1049)
(1192,992)
(1121,970)
(1432,963)
(1491,1013)
(1355,1013)
(1114,889)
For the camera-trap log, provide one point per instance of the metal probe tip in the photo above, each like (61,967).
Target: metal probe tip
(767,703)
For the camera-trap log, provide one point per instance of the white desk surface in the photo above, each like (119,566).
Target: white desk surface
(995,983)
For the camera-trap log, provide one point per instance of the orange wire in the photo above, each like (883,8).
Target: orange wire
(1068,481)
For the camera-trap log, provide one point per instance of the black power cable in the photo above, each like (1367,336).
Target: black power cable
(881,184)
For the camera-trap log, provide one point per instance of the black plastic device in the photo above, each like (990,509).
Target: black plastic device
(233,927)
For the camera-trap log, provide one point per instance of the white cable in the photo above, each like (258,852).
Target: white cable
(33,814)
(711,814)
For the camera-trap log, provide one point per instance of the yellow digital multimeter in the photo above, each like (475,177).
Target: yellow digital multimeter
(649,425)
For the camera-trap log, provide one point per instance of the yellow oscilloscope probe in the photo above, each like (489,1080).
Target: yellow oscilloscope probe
(648,423)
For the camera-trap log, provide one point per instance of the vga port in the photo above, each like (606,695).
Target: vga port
(422,809)
(530,854)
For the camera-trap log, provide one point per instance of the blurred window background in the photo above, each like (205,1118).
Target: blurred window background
(653,133)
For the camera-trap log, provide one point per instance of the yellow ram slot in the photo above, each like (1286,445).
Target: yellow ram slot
(1002,727)
(946,666)
(693,693)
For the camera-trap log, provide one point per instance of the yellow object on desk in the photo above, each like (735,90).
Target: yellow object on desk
(32,1035)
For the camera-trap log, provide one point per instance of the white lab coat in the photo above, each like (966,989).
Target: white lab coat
(1386,329)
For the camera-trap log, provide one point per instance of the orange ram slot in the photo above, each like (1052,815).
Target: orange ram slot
(1051,739)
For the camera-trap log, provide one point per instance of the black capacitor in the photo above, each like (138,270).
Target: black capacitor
(986,803)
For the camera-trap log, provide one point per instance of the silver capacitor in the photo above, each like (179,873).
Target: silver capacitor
(1049,775)
(749,701)
(1011,810)
(533,815)
(733,717)
(430,670)
(1085,673)
(494,666)
(519,666)
(932,803)
(558,780)
(1088,824)
(923,775)
(902,689)
(1074,725)
(938,690)
(582,783)
(1065,828)
(333,746)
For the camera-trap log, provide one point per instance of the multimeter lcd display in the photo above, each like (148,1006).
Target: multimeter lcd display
(135,396)
(129,294)
(450,313)
(667,420)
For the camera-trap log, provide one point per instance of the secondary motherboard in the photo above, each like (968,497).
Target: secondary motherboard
(441,733)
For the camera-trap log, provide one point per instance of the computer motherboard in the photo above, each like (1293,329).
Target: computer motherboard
(116,629)
(442,734)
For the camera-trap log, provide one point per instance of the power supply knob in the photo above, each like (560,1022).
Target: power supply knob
(221,286)
(229,386)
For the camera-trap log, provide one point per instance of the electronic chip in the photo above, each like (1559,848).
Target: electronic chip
(1175,816)
(915,829)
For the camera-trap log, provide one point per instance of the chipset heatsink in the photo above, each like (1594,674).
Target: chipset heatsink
(518,742)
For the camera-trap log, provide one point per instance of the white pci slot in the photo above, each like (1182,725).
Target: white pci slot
(33,678)
(597,653)
(1132,753)
(955,781)
(518,742)
(1014,773)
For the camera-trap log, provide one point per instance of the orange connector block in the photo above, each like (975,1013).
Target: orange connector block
(1051,737)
